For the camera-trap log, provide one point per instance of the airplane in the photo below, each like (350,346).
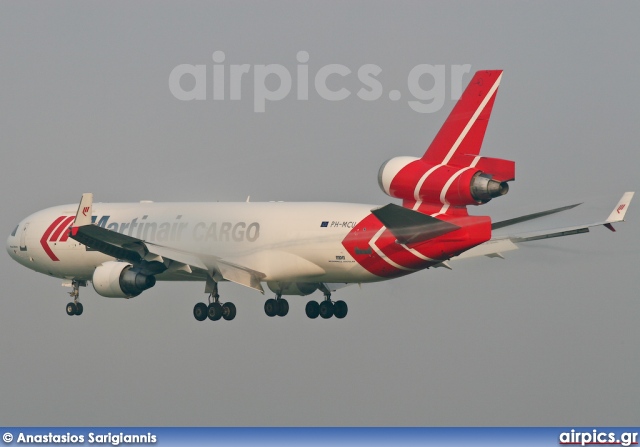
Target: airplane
(295,248)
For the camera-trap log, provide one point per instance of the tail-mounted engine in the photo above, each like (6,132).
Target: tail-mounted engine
(120,280)
(472,181)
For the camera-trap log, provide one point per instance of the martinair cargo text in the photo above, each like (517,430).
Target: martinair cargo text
(294,248)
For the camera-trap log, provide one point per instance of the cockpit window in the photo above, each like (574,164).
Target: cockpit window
(13,233)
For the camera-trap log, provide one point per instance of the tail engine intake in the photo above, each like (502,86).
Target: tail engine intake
(475,182)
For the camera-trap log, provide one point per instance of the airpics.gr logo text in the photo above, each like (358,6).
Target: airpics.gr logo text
(330,82)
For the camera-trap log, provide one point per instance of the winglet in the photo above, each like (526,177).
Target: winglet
(85,209)
(617,215)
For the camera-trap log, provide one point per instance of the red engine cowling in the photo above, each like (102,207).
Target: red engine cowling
(410,178)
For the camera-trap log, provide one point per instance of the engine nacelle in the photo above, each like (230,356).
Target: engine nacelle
(410,178)
(293,288)
(484,188)
(390,170)
(115,279)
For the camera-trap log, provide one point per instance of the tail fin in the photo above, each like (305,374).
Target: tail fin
(463,131)
(451,174)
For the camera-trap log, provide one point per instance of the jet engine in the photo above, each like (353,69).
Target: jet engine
(411,178)
(115,279)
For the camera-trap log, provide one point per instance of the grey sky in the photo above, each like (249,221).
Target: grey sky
(546,337)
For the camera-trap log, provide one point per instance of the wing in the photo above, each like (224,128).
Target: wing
(153,257)
(517,220)
(495,247)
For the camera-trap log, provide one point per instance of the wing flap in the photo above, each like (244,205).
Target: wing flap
(241,275)
(176,255)
(493,249)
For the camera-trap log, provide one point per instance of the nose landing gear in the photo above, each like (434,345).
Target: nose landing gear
(75,307)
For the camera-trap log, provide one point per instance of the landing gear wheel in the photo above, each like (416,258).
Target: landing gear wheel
(340,309)
(71,309)
(283,307)
(312,309)
(271,307)
(214,311)
(326,309)
(200,311)
(79,308)
(228,311)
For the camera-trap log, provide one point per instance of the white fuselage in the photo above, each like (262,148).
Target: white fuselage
(284,241)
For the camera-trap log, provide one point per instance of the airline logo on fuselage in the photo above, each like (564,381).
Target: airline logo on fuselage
(56,233)
(152,231)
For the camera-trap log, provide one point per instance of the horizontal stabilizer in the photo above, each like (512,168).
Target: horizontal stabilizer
(517,220)
(410,227)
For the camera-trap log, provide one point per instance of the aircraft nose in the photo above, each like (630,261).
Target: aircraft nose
(12,244)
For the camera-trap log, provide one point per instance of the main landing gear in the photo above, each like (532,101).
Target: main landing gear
(276,306)
(327,308)
(214,310)
(75,307)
